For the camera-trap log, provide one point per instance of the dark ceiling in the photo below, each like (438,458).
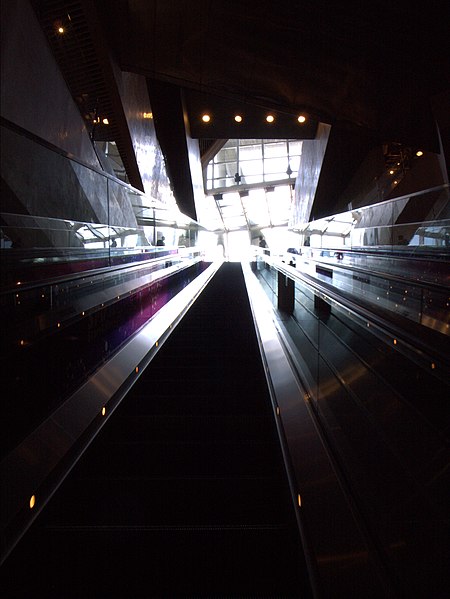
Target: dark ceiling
(373,65)
(372,70)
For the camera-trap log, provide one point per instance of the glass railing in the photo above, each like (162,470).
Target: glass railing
(58,211)
(383,410)
(412,224)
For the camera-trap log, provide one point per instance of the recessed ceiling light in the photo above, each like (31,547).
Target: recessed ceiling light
(270,118)
(206,118)
(301,119)
(419,153)
(238,118)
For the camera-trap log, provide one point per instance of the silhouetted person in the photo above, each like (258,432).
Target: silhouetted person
(160,241)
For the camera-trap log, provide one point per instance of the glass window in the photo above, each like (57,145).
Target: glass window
(251,158)
(275,149)
(251,167)
(251,152)
(276,165)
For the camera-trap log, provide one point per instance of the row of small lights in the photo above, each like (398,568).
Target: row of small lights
(270,118)
(419,153)
(299,497)
(32,501)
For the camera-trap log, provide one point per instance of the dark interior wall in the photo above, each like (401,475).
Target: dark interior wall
(313,152)
(135,101)
(169,115)
(34,94)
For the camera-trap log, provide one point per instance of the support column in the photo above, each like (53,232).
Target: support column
(286,293)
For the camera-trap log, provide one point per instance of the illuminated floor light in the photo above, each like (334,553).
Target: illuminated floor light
(32,501)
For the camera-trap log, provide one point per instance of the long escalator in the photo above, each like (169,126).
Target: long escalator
(184,491)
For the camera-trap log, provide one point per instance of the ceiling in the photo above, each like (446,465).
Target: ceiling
(370,70)
(370,65)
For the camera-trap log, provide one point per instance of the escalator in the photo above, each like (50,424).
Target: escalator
(183,493)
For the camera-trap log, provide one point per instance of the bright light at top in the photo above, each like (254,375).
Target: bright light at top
(301,119)
(61,30)
(206,118)
(270,118)
(238,118)
(419,153)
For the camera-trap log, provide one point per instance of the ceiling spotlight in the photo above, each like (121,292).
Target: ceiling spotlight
(105,122)
(419,153)
(238,118)
(148,115)
(61,30)
(391,172)
(206,118)
(301,119)
(270,118)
